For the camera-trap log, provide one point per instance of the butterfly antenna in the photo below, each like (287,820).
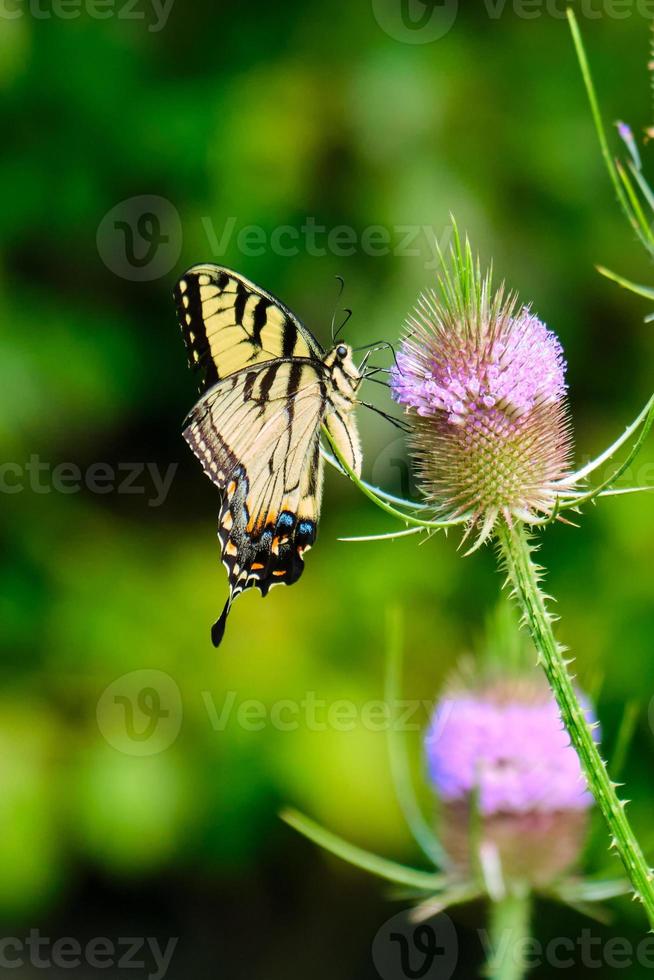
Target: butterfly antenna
(341,287)
(348,314)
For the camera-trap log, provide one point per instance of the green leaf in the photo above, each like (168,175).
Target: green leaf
(624,737)
(399,874)
(399,762)
(646,418)
(646,190)
(591,890)
(633,287)
(457,894)
(635,205)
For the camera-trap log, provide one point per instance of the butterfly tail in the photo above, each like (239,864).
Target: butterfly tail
(218,628)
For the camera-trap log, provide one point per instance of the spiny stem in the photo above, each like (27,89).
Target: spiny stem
(524,576)
(509,927)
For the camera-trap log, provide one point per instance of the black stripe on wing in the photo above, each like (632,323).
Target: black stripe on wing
(268,329)
(194,329)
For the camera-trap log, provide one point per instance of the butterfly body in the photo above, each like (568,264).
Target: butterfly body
(267,388)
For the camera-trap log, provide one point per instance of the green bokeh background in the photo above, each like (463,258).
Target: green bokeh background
(268,115)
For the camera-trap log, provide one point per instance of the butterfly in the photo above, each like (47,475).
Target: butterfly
(267,387)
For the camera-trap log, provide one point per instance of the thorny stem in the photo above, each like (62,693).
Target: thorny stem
(525,576)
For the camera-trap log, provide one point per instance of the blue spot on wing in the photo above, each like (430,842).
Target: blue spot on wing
(285,521)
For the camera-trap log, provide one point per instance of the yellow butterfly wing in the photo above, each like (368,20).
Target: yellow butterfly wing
(257,435)
(228,323)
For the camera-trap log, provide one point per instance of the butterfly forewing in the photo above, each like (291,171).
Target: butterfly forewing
(228,323)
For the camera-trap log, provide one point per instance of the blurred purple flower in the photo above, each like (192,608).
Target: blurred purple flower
(509,747)
(624,131)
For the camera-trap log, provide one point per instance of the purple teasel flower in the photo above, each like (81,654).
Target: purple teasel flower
(513,809)
(485,384)
(482,381)
(497,752)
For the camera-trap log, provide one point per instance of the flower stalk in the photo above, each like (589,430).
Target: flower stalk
(509,927)
(524,575)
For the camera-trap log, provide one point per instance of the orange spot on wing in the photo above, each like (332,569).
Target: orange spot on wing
(280,572)
(256,565)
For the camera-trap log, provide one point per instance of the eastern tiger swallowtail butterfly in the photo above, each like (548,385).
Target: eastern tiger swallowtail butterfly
(266,389)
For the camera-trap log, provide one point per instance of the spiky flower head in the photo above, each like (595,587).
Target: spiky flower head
(497,750)
(483,380)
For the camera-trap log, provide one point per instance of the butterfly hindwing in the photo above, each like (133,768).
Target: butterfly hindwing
(229,323)
(256,434)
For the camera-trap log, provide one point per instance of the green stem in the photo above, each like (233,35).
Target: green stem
(524,575)
(509,927)
(599,125)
